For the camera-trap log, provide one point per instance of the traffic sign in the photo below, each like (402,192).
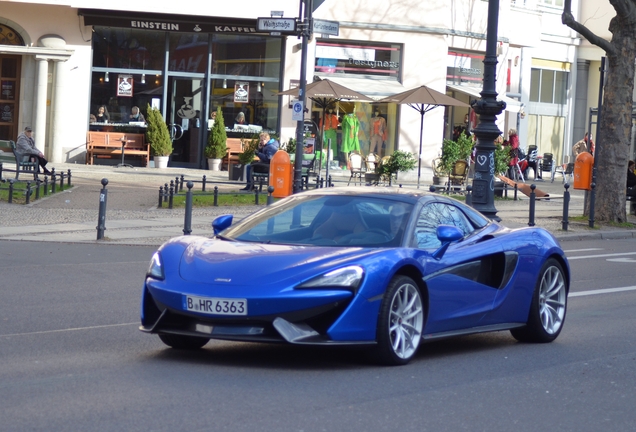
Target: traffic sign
(281,25)
(326,27)
(297,111)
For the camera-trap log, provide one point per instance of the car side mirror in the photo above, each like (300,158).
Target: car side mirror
(446,234)
(221,223)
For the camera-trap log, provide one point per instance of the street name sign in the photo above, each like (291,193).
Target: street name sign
(325,27)
(280,25)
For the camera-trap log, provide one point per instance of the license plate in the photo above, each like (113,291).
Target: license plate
(215,306)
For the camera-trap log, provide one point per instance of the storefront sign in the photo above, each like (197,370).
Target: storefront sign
(125,85)
(374,63)
(241,92)
(8,90)
(358,58)
(464,67)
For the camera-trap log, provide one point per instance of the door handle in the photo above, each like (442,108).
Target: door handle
(176,132)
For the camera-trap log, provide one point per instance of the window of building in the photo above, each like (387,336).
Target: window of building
(464,68)
(373,59)
(548,86)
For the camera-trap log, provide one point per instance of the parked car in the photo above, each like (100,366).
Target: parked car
(390,268)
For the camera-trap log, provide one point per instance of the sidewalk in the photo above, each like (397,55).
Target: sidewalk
(132,216)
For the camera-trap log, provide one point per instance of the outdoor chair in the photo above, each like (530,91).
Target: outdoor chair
(355,167)
(533,161)
(567,169)
(459,173)
(547,165)
(372,162)
(24,162)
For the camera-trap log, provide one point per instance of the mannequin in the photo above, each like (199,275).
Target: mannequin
(378,133)
(330,128)
(350,128)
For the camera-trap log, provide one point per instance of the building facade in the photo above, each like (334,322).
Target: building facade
(61,62)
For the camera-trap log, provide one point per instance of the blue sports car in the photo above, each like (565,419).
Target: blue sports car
(386,267)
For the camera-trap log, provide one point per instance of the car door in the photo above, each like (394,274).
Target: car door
(462,285)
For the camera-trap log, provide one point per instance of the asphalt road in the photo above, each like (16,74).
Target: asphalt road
(71,358)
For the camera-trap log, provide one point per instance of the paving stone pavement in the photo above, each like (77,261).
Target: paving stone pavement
(132,215)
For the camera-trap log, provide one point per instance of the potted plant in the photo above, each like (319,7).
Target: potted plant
(249,146)
(502,161)
(217,142)
(158,137)
(399,161)
(452,151)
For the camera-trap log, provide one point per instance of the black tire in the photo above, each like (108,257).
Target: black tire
(400,323)
(548,308)
(183,342)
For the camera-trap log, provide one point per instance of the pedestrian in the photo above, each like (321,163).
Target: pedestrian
(267,147)
(26,145)
(513,142)
(581,146)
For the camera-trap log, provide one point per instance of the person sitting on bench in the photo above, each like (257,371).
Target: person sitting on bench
(267,147)
(26,145)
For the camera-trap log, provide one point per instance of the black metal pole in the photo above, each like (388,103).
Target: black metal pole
(566,206)
(598,139)
(305,32)
(487,131)
(533,196)
(101,221)
(187,224)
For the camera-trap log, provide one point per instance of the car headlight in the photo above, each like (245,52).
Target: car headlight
(155,270)
(346,277)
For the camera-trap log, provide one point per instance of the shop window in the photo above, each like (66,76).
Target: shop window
(464,67)
(375,125)
(188,52)
(120,48)
(372,59)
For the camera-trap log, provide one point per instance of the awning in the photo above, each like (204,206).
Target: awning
(374,89)
(512,105)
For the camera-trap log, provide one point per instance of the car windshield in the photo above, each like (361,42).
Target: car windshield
(352,221)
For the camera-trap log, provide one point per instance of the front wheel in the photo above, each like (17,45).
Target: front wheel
(183,342)
(549,304)
(400,323)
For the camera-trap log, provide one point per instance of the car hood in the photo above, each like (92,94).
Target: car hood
(241,263)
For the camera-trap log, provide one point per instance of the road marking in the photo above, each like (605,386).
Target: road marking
(601,291)
(622,260)
(68,330)
(582,250)
(601,256)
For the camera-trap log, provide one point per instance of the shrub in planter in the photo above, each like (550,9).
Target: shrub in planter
(157,133)
(217,140)
(399,161)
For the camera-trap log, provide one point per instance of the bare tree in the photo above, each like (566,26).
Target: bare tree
(616,117)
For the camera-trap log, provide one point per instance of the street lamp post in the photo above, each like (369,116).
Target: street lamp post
(487,131)
(305,27)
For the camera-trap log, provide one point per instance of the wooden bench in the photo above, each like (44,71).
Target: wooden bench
(109,145)
(23,163)
(234,148)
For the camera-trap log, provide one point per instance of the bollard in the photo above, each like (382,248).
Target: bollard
(329,183)
(256,196)
(505,190)
(101,220)
(187,224)
(566,203)
(216,196)
(176,185)
(171,194)
(62,181)
(592,202)
(181,183)
(160,196)
(38,183)
(515,196)
(10,199)
(46,185)
(165,192)
(432,188)
(532,203)
(317,182)
(53,180)
(270,197)
(203,182)
(28,192)
(0,170)
(469,195)
(68,178)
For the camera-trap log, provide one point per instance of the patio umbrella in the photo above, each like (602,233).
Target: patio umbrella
(325,93)
(422,99)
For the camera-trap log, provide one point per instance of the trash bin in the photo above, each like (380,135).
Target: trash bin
(280,174)
(583,171)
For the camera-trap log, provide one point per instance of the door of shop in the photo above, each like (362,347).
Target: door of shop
(9,96)
(185,118)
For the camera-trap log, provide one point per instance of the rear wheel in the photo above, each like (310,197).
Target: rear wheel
(183,342)
(549,304)
(400,322)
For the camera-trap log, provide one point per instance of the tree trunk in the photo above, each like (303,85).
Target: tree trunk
(612,149)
